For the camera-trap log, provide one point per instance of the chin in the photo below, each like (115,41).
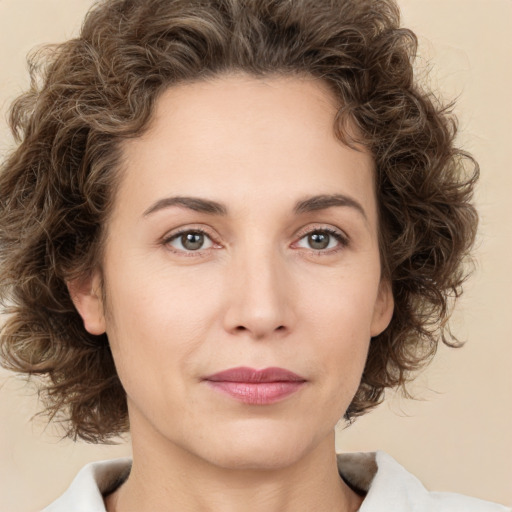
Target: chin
(255,459)
(259,449)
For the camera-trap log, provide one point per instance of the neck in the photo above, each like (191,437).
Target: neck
(165,477)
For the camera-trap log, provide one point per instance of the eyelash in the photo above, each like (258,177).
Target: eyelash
(174,236)
(339,237)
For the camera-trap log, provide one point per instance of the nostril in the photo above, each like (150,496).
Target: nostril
(241,328)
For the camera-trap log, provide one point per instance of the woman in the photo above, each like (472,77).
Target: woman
(228,225)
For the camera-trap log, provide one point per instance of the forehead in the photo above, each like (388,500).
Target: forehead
(242,137)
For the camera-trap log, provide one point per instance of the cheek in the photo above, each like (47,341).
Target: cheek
(344,339)
(343,301)
(157,320)
(339,318)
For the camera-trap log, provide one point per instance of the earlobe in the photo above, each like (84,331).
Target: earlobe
(384,306)
(87,298)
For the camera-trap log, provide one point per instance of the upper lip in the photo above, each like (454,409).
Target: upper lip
(245,374)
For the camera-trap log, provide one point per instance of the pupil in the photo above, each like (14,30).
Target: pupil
(319,240)
(192,241)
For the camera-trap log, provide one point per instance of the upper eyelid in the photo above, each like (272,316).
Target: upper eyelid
(301,232)
(174,233)
(342,240)
(330,229)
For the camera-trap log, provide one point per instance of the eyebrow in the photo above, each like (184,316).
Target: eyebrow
(310,204)
(322,202)
(192,203)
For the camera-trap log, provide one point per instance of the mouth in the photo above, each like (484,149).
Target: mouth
(256,387)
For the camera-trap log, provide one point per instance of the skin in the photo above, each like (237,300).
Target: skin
(258,293)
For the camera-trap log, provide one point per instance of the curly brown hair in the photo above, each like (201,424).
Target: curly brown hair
(92,92)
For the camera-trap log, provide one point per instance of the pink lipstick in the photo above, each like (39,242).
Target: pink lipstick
(256,387)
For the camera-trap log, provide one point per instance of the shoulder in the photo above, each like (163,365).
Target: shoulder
(391,488)
(85,494)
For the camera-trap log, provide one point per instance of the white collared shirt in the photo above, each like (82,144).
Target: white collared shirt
(388,487)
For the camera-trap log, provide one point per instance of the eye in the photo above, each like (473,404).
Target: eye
(322,240)
(189,241)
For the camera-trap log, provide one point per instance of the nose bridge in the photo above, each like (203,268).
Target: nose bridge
(260,291)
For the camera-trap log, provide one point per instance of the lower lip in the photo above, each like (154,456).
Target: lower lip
(257,393)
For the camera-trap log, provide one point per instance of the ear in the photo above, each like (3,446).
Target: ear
(86,295)
(383,310)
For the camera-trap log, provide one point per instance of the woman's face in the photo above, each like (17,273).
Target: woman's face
(243,235)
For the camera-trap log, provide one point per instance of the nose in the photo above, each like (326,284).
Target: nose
(260,295)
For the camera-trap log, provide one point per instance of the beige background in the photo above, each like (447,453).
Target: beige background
(458,436)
